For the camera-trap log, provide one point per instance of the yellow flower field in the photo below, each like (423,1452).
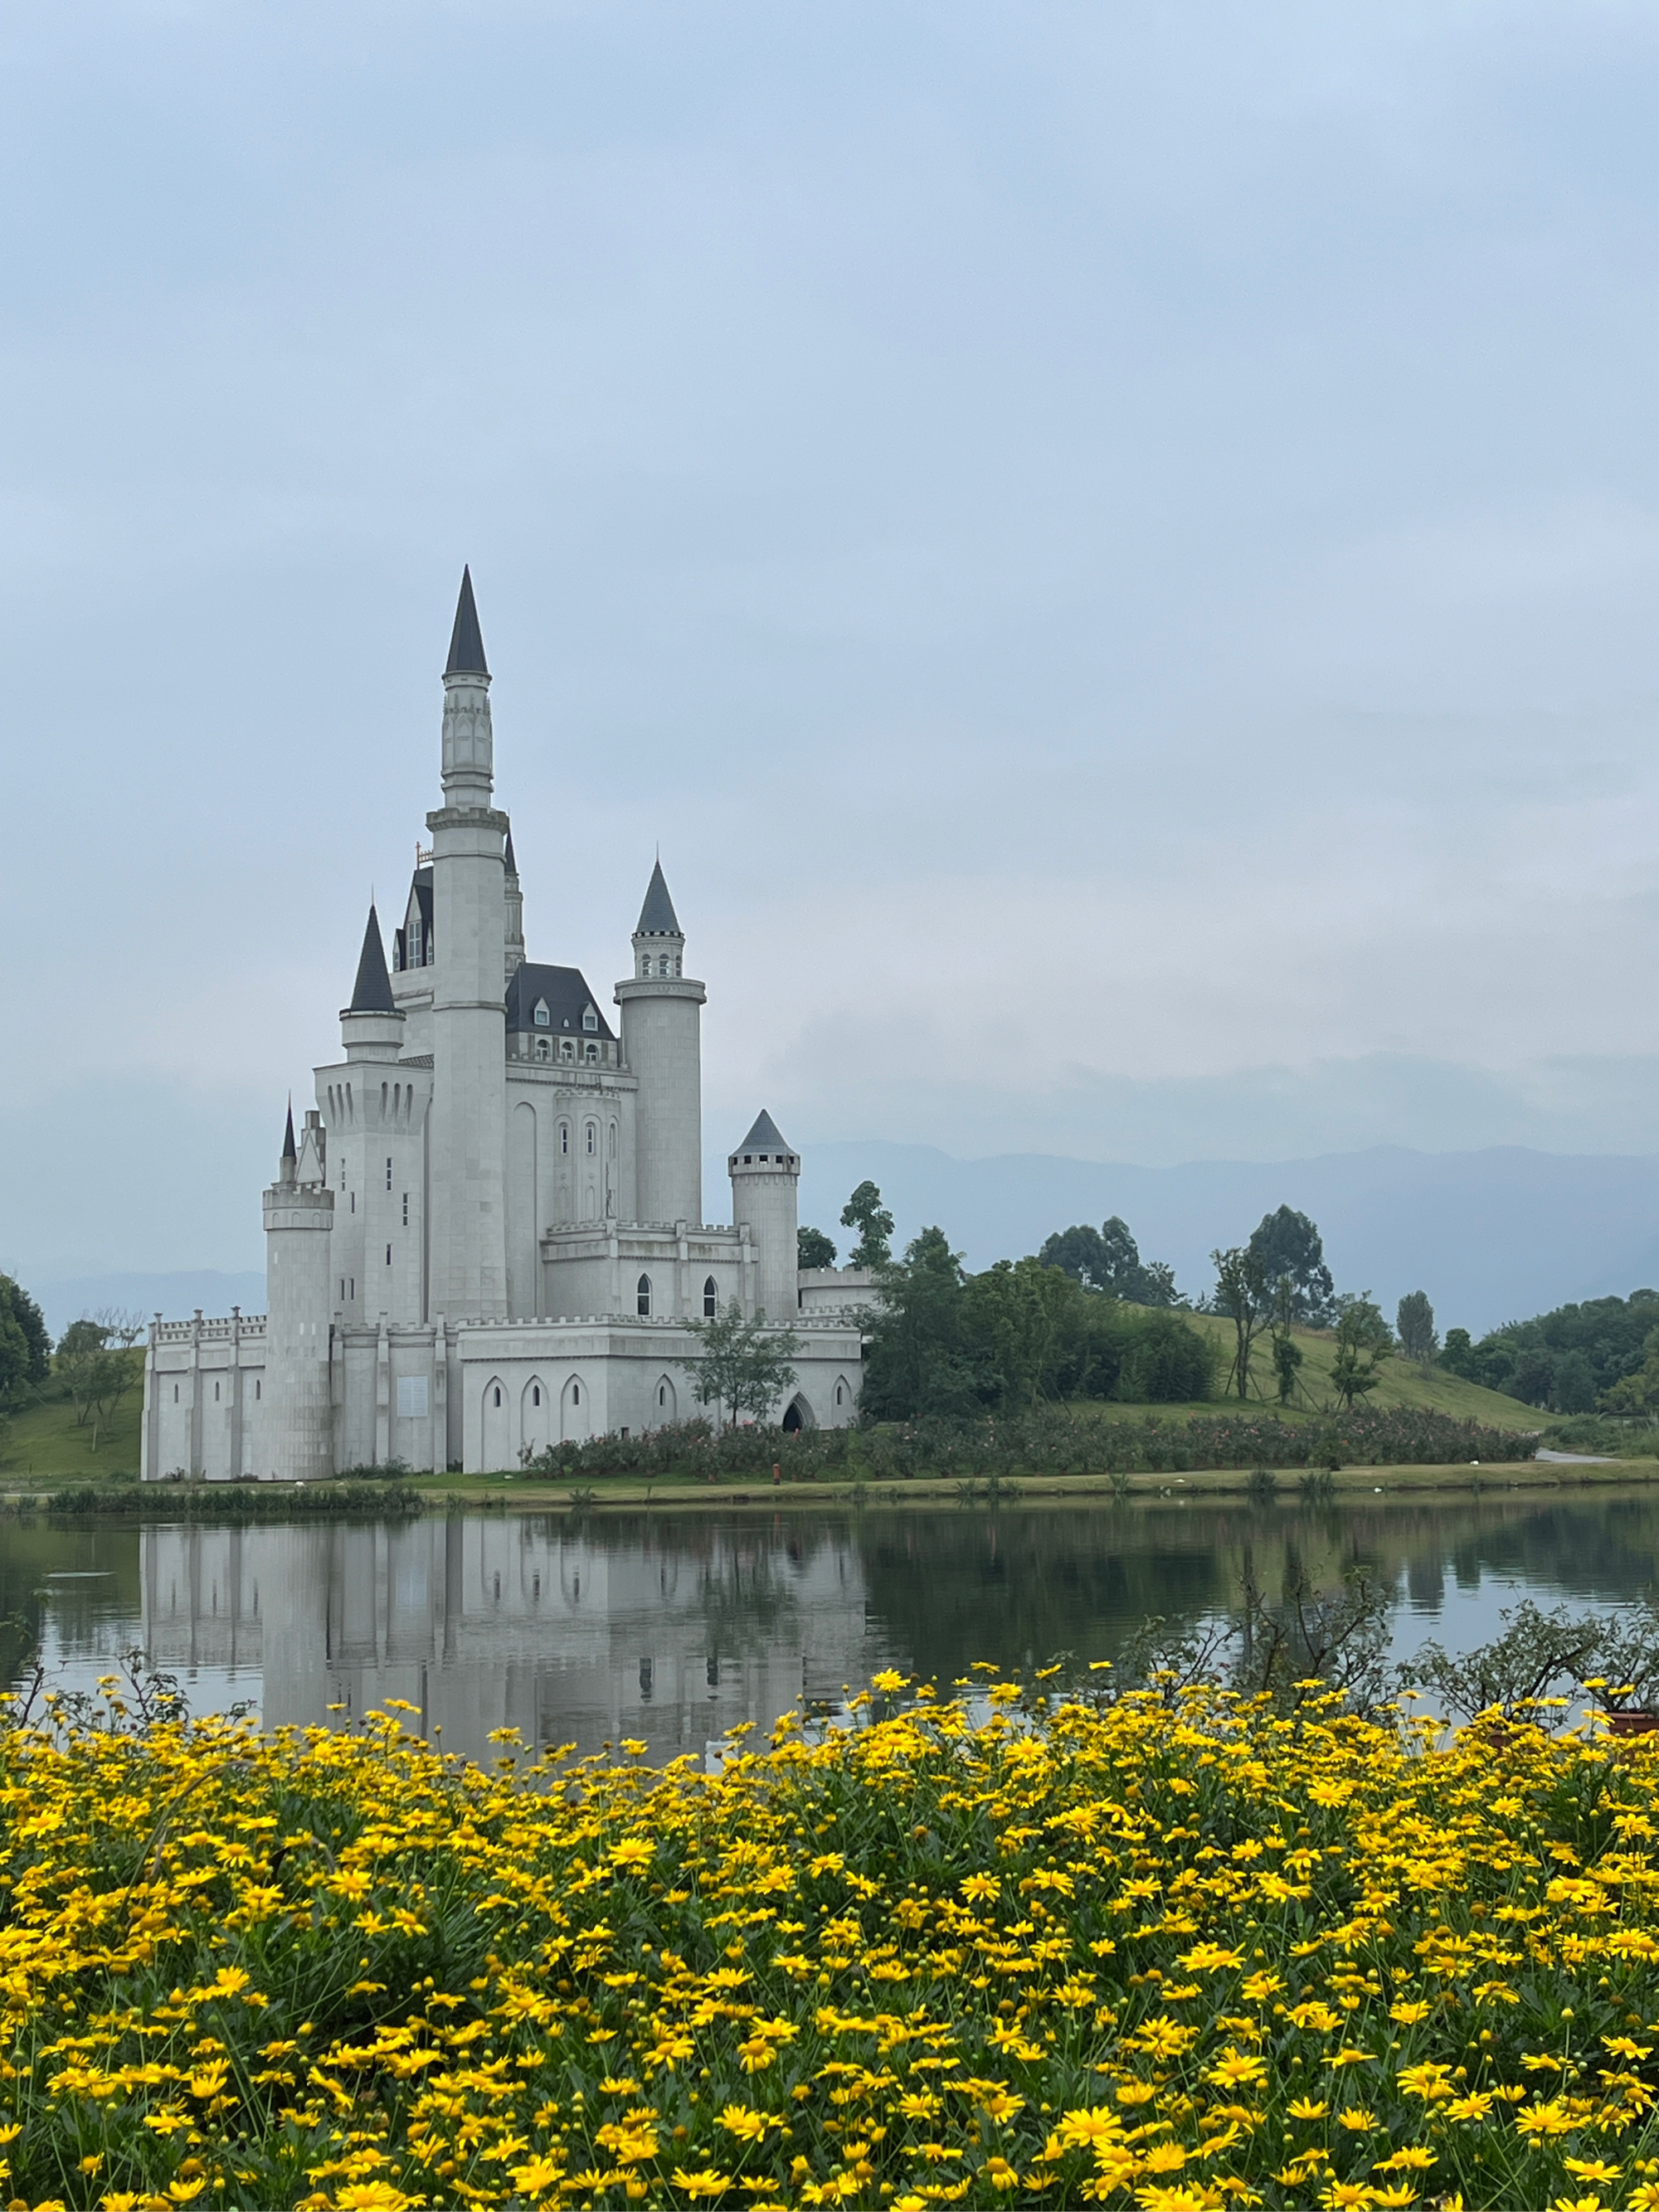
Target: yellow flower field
(1168,1956)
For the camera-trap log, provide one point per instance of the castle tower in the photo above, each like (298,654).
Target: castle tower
(514,912)
(468,1265)
(297,1437)
(765,1193)
(376,1110)
(662,1044)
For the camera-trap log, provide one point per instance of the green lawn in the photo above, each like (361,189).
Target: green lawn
(1402,1385)
(47,1440)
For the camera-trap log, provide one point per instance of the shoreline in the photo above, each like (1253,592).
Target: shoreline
(632,1493)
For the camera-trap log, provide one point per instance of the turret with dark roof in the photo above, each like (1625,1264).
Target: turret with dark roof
(466,653)
(371,992)
(657,915)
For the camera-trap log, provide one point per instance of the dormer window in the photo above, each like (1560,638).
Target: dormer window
(590,1019)
(541,1019)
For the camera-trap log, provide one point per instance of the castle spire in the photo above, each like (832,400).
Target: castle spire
(657,915)
(466,653)
(288,1152)
(371,992)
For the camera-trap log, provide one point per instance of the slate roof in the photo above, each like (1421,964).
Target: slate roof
(765,1136)
(371,992)
(466,653)
(568,997)
(657,915)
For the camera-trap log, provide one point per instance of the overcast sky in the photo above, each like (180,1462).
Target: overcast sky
(1116,549)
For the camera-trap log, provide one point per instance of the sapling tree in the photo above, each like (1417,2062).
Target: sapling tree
(742,1365)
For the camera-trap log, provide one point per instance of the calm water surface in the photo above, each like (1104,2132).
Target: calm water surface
(674,1628)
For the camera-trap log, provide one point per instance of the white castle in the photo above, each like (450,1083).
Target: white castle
(488,1235)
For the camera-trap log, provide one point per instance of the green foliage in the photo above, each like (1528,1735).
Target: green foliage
(236,1501)
(1536,1653)
(1414,1320)
(1364,1341)
(1242,1292)
(744,1366)
(943,1344)
(1532,1360)
(865,1211)
(1288,1355)
(814,1248)
(92,1366)
(25,1346)
(1287,1244)
(1052,1440)
(1108,1259)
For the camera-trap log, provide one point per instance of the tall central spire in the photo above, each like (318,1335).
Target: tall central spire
(466,653)
(469,756)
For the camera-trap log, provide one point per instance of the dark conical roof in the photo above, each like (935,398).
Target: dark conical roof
(765,1136)
(510,864)
(372,992)
(288,1152)
(466,653)
(657,915)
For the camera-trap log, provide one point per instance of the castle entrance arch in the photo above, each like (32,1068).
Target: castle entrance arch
(798,1414)
(536,1416)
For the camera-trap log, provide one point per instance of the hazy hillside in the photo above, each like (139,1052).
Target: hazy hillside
(1489,1236)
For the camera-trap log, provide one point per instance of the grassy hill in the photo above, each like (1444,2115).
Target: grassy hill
(1402,1385)
(47,1441)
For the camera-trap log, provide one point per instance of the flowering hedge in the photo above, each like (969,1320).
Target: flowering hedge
(1051,1441)
(1161,1955)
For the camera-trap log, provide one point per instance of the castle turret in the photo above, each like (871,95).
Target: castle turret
(765,1187)
(297,1433)
(375,1111)
(514,912)
(468,1272)
(662,1045)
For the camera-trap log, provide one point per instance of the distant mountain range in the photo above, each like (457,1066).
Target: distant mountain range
(1491,1236)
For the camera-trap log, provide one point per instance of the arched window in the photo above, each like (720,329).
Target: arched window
(662,1393)
(498,1394)
(575,1393)
(536,1396)
(662,965)
(593,1055)
(710,1299)
(613,1141)
(566,1050)
(642,1297)
(645,963)
(840,1394)
(541,1048)
(564,1136)
(592,1139)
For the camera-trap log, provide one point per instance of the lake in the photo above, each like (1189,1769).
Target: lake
(674,1627)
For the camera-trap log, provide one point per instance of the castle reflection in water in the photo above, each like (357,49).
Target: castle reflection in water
(525,1622)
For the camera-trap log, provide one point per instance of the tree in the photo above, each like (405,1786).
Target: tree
(865,1211)
(1364,1341)
(1288,1243)
(1080,1254)
(914,1359)
(93,1363)
(745,1364)
(25,1346)
(1287,1352)
(1638,1392)
(1240,1293)
(1414,1320)
(1108,1259)
(1575,1384)
(1022,1318)
(814,1248)
(1457,1353)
